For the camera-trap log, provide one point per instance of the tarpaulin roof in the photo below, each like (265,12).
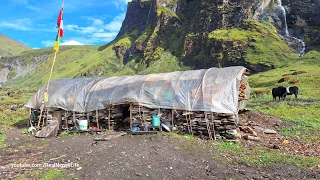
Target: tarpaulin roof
(212,90)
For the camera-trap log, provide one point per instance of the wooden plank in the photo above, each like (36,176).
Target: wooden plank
(109,137)
(142,132)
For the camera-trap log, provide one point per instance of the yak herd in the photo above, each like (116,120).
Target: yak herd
(281,92)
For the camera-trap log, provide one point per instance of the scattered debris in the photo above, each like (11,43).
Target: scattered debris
(252,138)
(269,131)
(110,136)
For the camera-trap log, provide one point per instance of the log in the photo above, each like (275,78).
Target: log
(109,137)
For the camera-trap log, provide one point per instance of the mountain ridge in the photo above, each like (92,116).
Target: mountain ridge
(162,36)
(10,47)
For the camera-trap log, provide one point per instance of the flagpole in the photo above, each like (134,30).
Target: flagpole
(46,94)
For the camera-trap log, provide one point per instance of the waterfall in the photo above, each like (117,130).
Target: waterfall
(302,47)
(283,11)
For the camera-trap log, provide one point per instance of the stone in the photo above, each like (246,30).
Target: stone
(269,131)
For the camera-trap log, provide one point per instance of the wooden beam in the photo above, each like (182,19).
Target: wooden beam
(29,121)
(109,116)
(130,115)
(66,119)
(97,118)
(172,116)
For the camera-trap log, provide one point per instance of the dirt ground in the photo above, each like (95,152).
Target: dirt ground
(142,157)
(260,121)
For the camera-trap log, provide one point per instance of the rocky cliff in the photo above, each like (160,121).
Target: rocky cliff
(168,35)
(201,34)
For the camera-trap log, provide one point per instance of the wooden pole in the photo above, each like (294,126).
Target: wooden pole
(130,115)
(190,124)
(66,119)
(214,131)
(88,119)
(74,119)
(172,116)
(97,118)
(40,117)
(109,116)
(208,126)
(187,122)
(29,121)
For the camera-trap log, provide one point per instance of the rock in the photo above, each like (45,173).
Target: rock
(276,146)
(269,131)
(252,138)
(248,129)
(13,107)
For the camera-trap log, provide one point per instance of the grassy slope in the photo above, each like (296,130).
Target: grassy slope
(9,47)
(71,62)
(305,112)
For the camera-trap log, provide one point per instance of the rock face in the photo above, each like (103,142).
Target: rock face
(303,19)
(189,30)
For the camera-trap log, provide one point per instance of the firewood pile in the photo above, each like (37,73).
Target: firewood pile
(242,90)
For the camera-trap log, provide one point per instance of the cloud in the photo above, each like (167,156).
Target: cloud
(97,31)
(116,23)
(121,4)
(23,24)
(27,4)
(47,43)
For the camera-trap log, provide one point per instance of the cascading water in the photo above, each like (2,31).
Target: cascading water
(302,47)
(283,11)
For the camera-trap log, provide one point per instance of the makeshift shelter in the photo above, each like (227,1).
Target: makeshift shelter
(211,90)
(214,90)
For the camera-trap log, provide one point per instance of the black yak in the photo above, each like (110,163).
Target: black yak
(293,90)
(280,92)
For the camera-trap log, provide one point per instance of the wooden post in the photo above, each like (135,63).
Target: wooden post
(208,126)
(66,119)
(109,116)
(29,121)
(97,118)
(43,122)
(172,116)
(214,131)
(130,115)
(88,119)
(190,123)
(74,119)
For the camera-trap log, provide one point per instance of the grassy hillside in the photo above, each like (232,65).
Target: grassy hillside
(10,47)
(304,112)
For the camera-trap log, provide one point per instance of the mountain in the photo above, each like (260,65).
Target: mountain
(169,35)
(10,47)
(71,43)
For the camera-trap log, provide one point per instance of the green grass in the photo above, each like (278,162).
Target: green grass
(2,140)
(18,116)
(54,174)
(268,157)
(265,157)
(305,112)
(263,45)
(10,47)
(51,174)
